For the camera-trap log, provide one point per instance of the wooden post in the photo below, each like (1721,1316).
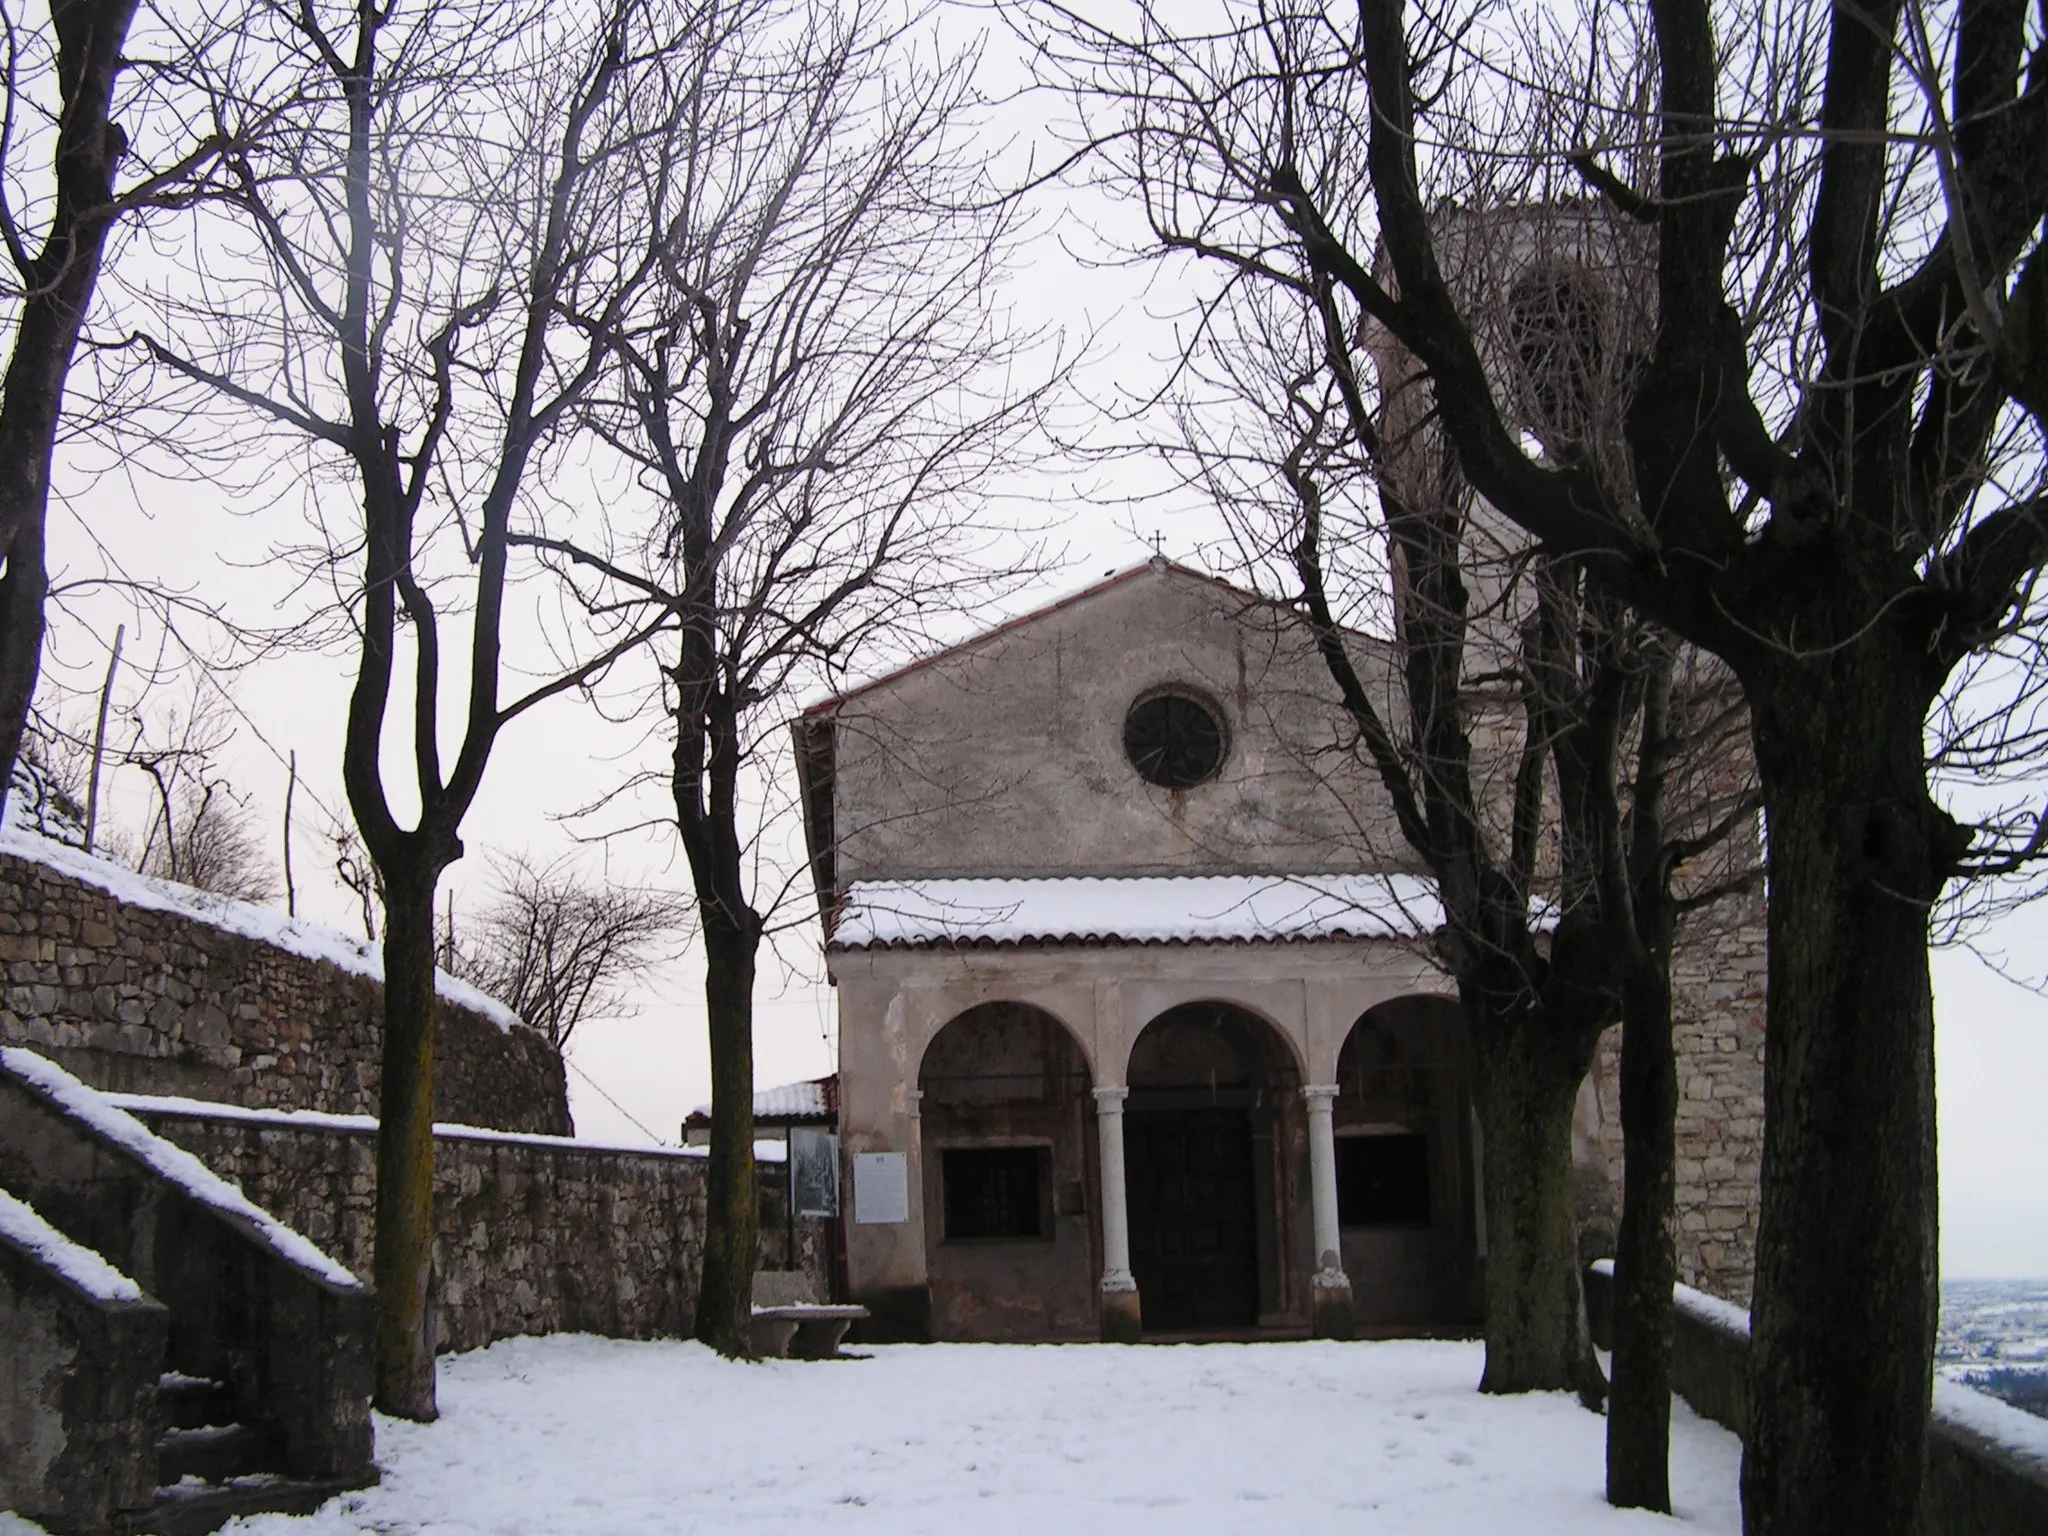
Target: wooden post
(291,893)
(99,740)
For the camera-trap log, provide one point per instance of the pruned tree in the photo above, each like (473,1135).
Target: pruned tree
(811,405)
(387,292)
(1831,482)
(557,947)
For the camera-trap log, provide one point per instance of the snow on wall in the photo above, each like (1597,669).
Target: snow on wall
(1981,1414)
(267,925)
(21,1226)
(169,1162)
(35,802)
(1977,1414)
(366,1125)
(139,985)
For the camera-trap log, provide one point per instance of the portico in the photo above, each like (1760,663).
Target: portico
(1203,1200)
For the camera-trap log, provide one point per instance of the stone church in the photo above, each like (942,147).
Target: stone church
(1139,1027)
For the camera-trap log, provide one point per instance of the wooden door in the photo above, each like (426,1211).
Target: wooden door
(1194,1243)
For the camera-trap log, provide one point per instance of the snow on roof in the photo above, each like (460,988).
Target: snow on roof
(169,1162)
(815,1098)
(1136,909)
(265,924)
(21,1226)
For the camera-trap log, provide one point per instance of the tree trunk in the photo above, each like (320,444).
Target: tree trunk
(731,1219)
(1527,1083)
(405,1149)
(1846,1290)
(1645,1263)
(22,591)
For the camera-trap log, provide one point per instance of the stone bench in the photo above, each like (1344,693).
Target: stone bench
(790,1323)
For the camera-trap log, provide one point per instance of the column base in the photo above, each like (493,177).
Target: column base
(1330,1307)
(1122,1320)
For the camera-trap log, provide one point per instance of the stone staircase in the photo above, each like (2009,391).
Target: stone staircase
(229,1376)
(210,1468)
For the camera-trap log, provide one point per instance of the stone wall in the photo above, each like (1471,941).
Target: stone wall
(1717,976)
(78,1414)
(536,1234)
(1985,1473)
(289,1337)
(134,999)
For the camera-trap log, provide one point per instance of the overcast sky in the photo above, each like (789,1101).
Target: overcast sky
(633,1079)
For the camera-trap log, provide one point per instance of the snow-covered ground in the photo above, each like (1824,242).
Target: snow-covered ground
(578,1436)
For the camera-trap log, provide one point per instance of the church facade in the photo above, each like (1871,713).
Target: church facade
(1140,1031)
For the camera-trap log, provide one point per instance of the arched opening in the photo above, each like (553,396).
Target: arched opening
(1214,1148)
(1009,1174)
(1406,1187)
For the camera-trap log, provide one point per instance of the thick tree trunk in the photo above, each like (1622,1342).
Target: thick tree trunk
(1846,1289)
(405,1150)
(732,1218)
(1527,1082)
(1645,1263)
(22,591)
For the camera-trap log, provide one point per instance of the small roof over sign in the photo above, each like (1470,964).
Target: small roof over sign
(813,1102)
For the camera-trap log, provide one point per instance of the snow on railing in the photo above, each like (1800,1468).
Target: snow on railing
(74,1262)
(169,1162)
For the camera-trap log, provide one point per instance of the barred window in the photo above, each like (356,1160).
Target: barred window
(994,1191)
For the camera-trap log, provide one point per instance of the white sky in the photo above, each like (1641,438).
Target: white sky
(649,1070)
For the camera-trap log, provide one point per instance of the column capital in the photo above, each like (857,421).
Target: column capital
(1321,1093)
(913,1099)
(1110,1100)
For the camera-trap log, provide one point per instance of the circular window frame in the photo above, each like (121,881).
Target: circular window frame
(1187,695)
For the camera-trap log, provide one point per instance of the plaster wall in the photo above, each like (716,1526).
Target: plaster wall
(1007,757)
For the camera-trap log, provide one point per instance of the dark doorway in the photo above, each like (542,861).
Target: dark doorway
(1194,1240)
(1207,1191)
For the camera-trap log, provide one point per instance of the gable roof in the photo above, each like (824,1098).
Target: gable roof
(1156,565)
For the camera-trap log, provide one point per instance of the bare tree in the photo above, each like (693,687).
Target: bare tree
(64,85)
(199,833)
(452,187)
(1831,482)
(811,404)
(557,947)
(1533,726)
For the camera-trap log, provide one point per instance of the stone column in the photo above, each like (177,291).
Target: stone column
(1330,1290)
(1121,1323)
